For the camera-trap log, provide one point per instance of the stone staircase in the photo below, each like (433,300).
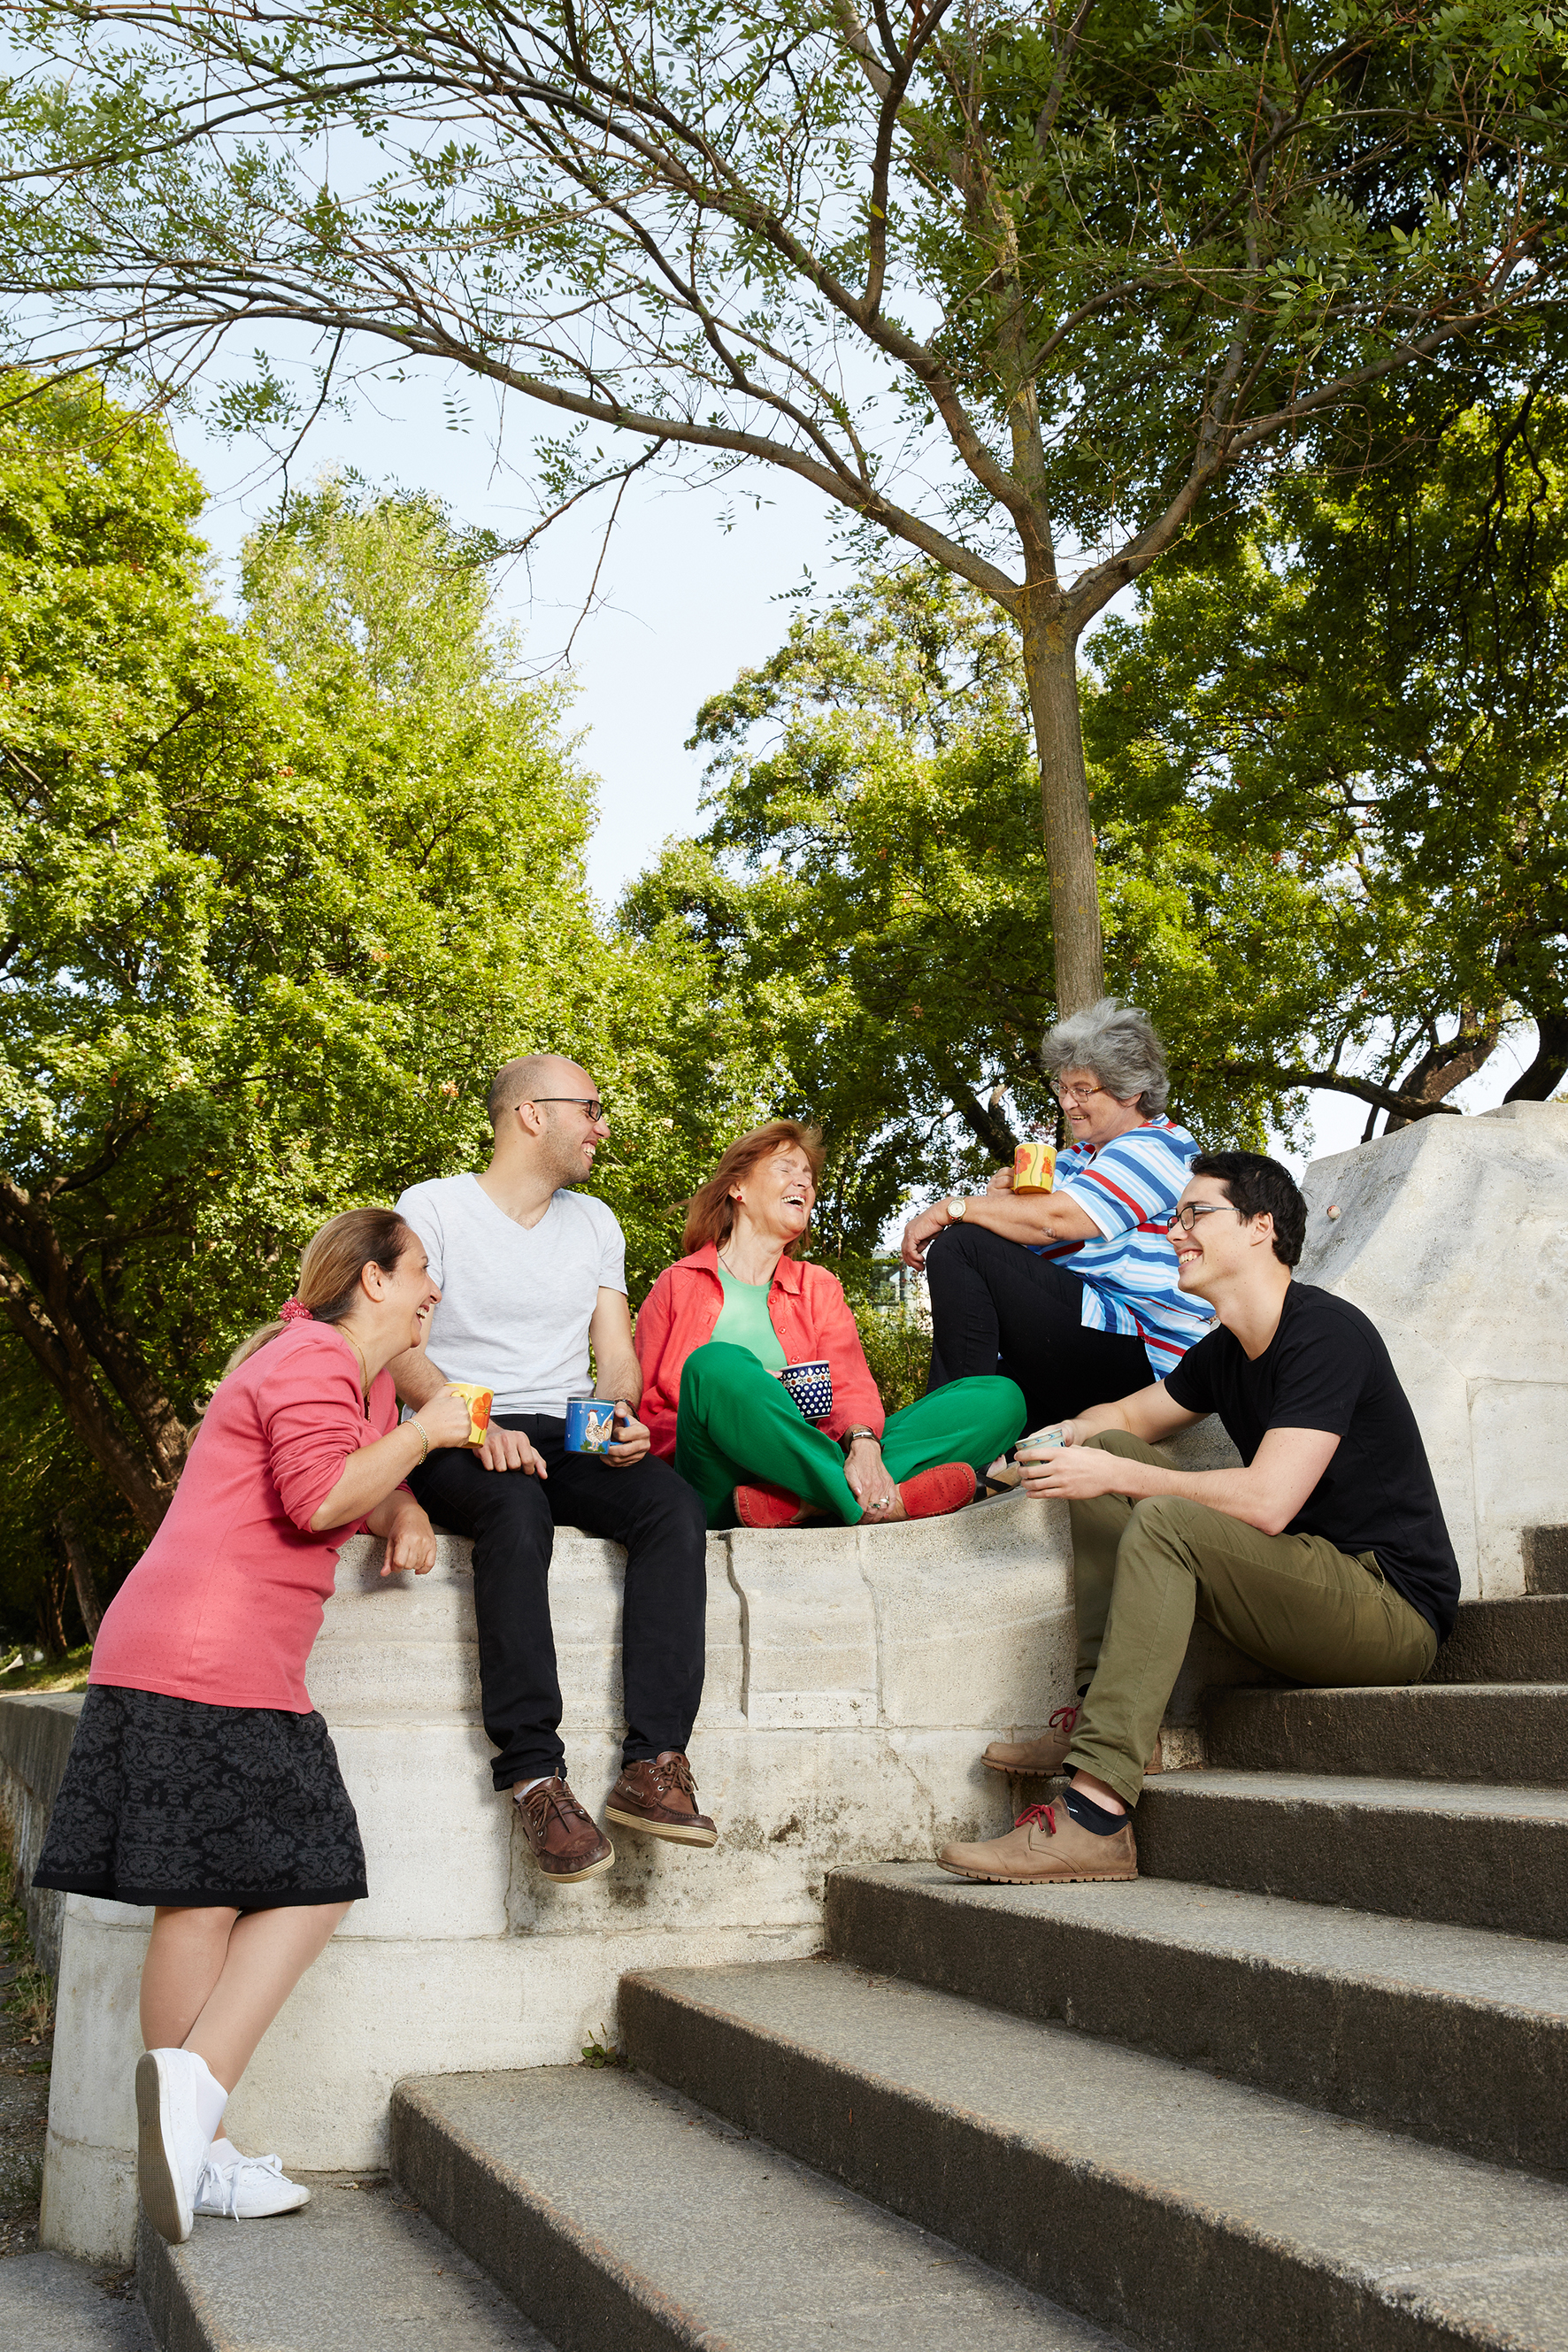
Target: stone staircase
(1303,2087)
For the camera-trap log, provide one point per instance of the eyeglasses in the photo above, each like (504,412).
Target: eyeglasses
(1191,1209)
(1080,1094)
(590,1103)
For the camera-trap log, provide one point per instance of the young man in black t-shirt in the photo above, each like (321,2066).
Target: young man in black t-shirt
(1324,1556)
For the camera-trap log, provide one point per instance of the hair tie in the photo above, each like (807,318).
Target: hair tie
(292,1311)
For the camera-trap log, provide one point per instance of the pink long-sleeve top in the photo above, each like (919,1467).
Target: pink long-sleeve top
(226,1600)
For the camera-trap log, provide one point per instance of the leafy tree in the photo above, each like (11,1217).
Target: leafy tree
(1000,282)
(1370,683)
(873,875)
(274,901)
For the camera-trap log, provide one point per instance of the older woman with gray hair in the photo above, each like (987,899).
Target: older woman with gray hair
(1072,1293)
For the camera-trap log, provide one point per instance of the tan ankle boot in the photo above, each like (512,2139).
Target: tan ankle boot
(1044,1845)
(1047,1754)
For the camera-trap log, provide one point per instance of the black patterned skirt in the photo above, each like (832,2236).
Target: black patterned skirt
(170,1800)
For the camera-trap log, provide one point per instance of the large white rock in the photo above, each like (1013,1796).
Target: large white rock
(1453,1236)
(853,1679)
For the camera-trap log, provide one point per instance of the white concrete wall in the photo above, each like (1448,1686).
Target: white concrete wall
(1453,1236)
(853,1679)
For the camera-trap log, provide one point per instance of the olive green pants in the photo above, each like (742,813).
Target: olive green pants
(1142,1571)
(735,1424)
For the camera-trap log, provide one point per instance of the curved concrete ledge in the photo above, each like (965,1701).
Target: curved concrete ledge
(853,1678)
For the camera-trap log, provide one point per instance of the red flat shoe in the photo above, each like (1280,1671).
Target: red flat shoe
(768,1507)
(932,1494)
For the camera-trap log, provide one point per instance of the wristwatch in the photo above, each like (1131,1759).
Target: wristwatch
(956,1205)
(850,1436)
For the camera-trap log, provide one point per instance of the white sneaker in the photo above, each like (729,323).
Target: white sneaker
(171,2144)
(248,2188)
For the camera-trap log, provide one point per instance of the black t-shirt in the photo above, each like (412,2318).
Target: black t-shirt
(1326,1368)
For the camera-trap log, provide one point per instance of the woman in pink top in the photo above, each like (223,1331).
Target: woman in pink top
(201,1780)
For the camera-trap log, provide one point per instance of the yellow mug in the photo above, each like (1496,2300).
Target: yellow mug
(1033,1167)
(479,1401)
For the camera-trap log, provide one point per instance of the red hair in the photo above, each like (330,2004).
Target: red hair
(711,1213)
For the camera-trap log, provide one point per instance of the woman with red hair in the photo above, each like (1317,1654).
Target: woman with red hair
(722,1324)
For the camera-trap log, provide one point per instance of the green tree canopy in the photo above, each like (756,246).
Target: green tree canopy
(1369,683)
(1016,285)
(873,874)
(276,897)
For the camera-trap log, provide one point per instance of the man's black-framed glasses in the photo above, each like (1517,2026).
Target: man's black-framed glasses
(1190,1210)
(590,1103)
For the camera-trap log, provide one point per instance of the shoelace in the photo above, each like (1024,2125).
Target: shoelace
(223,2181)
(555,1793)
(1066,1716)
(1047,1813)
(676,1774)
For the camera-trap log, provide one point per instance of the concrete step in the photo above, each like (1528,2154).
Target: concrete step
(1472,1857)
(1546,1560)
(1512,1732)
(624,2218)
(1454,2034)
(50,2304)
(1202,2215)
(360,2270)
(1519,1641)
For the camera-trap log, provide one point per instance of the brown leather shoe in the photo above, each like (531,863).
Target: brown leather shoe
(1044,1845)
(567,1842)
(658,1794)
(1048,1753)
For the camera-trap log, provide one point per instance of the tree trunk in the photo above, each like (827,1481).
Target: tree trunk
(1445,1066)
(128,1466)
(52,1619)
(1546,1073)
(1050,668)
(82,1577)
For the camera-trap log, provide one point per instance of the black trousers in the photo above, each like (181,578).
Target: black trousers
(512,1518)
(995,1306)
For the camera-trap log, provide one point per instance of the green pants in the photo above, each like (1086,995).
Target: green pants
(737,1424)
(1143,1570)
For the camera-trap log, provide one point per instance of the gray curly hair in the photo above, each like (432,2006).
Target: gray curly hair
(1118,1046)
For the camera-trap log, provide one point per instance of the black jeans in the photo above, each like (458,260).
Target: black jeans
(995,1306)
(512,1518)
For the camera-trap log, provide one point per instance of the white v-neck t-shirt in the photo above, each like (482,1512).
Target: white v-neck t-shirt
(516,1301)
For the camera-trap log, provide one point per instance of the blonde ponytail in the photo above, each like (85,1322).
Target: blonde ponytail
(330,1270)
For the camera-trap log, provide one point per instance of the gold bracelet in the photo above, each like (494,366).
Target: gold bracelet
(414,1422)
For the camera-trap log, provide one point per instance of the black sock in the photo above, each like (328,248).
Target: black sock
(1091,1816)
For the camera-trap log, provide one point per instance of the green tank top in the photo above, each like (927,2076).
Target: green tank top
(744,1321)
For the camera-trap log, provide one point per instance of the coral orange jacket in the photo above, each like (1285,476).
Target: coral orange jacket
(807,1307)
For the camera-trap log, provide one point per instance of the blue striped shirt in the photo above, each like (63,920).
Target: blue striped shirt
(1128,1187)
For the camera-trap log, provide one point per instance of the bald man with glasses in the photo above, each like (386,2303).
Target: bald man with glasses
(533,1276)
(1324,1556)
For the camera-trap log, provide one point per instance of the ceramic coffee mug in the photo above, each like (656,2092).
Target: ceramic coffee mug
(811,1385)
(1034,1168)
(479,1401)
(590,1425)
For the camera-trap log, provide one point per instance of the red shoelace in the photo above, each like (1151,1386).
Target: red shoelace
(1046,1814)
